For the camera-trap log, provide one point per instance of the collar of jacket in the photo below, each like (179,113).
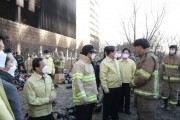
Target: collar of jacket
(47,58)
(109,59)
(6,76)
(39,76)
(85,58)
(124,60)
(147,50)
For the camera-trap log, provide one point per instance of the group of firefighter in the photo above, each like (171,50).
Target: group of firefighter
(150,81)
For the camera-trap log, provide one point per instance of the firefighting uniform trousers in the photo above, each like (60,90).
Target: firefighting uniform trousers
(111,104)
(84,112)
(124,95)
(170,92)
(146,108)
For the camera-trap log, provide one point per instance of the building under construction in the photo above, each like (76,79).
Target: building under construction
(35,25)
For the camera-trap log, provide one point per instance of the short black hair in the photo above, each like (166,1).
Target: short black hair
(109,49)
(46,51)
(142,42)
(8,50)
(173,46)
(126,49)
(35,63)
(88,49)
(3,36)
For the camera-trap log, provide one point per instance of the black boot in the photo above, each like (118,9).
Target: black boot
(165,103)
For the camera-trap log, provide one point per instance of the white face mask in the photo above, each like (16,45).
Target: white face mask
(2,59)
(12,70)
(93,56)
(125,56)
(45,69)
(117,55)
(47,56)
(172,52)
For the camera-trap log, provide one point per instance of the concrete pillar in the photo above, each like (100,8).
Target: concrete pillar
(19,48)
(56,49)
(75,53)
(18,14)
(40,50)
(67,51)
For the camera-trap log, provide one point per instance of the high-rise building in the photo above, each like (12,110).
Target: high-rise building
(87,22)
(94,23)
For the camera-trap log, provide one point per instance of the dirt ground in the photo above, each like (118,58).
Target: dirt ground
(64,100)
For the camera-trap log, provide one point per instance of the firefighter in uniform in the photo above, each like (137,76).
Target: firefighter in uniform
(170,71)
(146,82)
(62,61)
(56,61)
(20,61)
(84,86)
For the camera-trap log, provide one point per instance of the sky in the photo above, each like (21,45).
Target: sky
(112,12)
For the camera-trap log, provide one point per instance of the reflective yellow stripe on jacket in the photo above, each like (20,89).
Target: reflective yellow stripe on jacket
(144,73)
(77,75)
(92,98)
(155,93)
(89,99)
(171,78)
(83,78)
(81,94)
(89,78)
(78,96)
(170,66)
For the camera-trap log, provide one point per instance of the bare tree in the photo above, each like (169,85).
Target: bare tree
(151,32)
(131,25)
